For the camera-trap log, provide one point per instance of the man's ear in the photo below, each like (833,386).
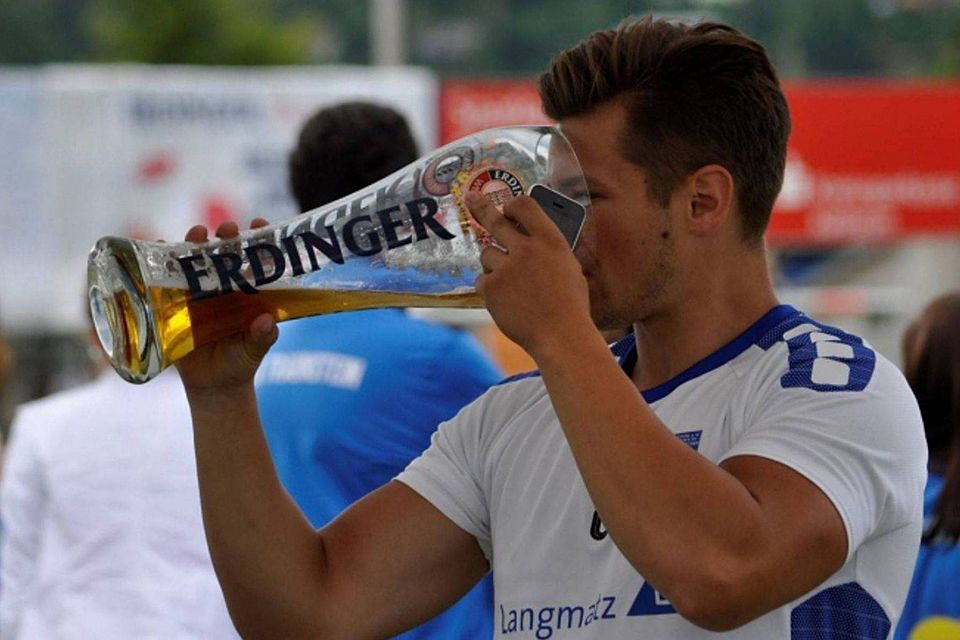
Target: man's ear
(709,194)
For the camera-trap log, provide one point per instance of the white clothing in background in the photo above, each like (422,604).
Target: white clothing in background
(102,534)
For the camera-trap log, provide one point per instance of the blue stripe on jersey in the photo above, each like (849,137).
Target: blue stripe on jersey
(618,349)
(519,376)
(756,332)
(844,612)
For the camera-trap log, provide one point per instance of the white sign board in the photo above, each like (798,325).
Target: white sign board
(150,151)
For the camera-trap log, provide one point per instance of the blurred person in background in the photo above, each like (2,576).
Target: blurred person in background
(6,368)
(6,362)
(931,359)
(350,399)
(102,532)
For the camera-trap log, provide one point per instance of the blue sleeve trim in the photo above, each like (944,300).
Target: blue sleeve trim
(520,376)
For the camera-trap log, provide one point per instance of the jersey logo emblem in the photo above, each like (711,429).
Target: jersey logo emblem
(691,438)
(597,532)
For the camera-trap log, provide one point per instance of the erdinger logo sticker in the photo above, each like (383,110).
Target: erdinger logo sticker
(440,174)
(499,185)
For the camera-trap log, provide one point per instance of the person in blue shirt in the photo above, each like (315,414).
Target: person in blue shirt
(349,399)
(931,350)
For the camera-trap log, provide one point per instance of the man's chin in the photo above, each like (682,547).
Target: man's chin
(607,319)
(603,321)
(604,316)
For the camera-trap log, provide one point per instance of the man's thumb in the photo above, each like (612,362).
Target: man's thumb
(261,336)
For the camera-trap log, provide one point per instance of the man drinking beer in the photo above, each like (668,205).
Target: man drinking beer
(741,468)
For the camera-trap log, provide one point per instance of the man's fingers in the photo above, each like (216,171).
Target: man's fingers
(197,233)
(526,212)
(490,219)
(491,258)
(227,229)
(522,216)
(260,337)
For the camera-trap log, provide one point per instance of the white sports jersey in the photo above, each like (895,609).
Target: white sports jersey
(789,389)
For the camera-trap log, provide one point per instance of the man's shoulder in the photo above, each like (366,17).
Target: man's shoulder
(518,389)
(820,373)
(512,396)
(533,376)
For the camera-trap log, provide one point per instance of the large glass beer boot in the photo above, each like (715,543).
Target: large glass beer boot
(404,241)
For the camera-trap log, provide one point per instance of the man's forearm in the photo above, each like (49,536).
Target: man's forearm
(260,543)
(674,514)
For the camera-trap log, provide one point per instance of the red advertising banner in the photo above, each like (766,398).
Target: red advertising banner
(467,106)
(868,162)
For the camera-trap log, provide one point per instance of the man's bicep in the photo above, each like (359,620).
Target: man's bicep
(807,532)
(393,561)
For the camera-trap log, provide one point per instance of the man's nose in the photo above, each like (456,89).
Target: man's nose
(586,238)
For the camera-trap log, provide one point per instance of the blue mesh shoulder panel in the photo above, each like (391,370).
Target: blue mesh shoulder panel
(843,612)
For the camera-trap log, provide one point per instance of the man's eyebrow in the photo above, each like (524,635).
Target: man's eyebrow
(590,183)
(594,184)
(571,183)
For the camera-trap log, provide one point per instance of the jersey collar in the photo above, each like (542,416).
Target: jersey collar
(626,352)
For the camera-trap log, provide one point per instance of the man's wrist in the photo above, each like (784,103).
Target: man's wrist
(221,400)
(556,347)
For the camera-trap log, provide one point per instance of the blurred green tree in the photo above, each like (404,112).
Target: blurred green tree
(947,59)
(813,38)
(344,36)
(214,32)
(42,31)
(917,45)
(503,38)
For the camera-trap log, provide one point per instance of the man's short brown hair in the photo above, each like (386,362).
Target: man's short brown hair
(696,94)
